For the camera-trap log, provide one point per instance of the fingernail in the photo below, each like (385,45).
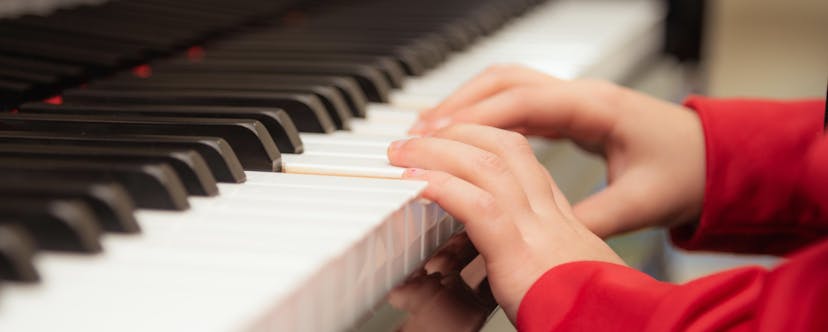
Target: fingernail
(412,173)
(417,128)
(396,145)
(440,124)
(424,112)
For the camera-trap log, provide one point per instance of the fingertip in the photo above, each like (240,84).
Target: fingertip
(394,147)
(428,128)
(413,173)
(418,128)
(425,115)
(439,124)
(425,112)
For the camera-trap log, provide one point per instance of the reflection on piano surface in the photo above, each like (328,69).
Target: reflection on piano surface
(220,165)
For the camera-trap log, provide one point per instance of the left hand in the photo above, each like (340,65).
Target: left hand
(514,213)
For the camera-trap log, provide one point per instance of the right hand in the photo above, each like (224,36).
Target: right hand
(654,149)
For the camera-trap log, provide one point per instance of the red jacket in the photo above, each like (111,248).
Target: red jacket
(766,192)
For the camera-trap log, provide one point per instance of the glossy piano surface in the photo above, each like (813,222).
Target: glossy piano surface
(247,85)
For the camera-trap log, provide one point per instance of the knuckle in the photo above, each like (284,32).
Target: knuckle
(520,97)
(491,163)
(602,89)
(437,183)
(487,205)
(441,180)
(513,142)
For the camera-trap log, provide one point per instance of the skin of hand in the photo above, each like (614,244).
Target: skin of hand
(513,212)
(654,149)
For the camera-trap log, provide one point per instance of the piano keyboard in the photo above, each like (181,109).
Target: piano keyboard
(150,197)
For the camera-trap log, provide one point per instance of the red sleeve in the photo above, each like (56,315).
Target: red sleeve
(767,165)
(767,177)
(595,296)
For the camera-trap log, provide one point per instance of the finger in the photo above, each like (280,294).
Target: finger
(481,168)
(494,79)
(488,227)
(515,150)
(455,254)
(567,109)
(485,84)
(561,201)
(602,211)
(411,295)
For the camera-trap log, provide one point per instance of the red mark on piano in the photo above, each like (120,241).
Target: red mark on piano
(55,100)
(142,71)
(14,111)
(195,53)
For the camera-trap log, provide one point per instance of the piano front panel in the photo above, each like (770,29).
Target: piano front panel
(320,248)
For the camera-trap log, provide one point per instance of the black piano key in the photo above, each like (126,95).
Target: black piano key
(347,86)
(219,8)
(151,186)
(456,36)
(28,76)
(391,69)
(97,61)
(13,91)
(371,80)
(445,36)
(330,97)
(191,168)
(199,14)
(216,152)
(127,49)
(305,110)
(109,201)
(61,225)
(92,30)
(17,251)
(414,61)
(248,138)
(276,121)
(432,49)
(42,67)
(37,84)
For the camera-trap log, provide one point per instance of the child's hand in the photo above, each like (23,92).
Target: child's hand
(514,214)
(654,149)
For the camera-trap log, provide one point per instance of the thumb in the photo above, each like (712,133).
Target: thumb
(614,210)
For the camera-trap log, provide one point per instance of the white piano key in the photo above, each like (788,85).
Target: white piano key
(356,184)
(350,138)
(333,148)
(207,241)
(567,39)
(322,164)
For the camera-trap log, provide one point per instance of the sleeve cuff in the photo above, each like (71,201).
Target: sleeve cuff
(754,151)
(590,296)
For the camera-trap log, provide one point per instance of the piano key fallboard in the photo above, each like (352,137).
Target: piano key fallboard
(220,165)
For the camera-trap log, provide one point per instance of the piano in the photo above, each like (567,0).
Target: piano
(212,165)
